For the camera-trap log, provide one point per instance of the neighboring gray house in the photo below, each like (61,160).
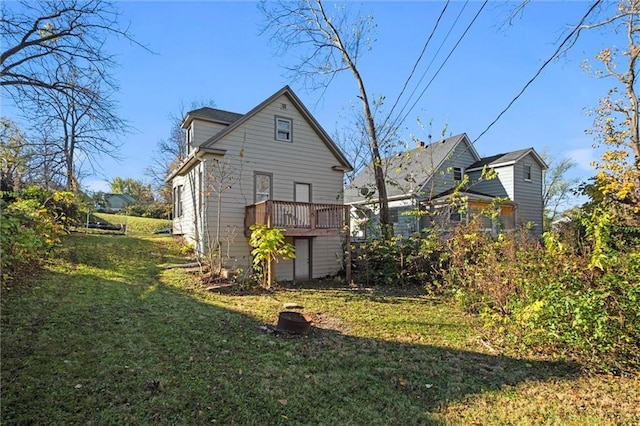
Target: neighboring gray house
(274,165)
(423,180)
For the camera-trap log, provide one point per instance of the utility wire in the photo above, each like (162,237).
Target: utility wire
(415,66)
(455,22)
(447,58)
(400,118)
(572,36)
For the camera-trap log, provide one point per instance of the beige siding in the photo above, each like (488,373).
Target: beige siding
(203,130)
(252,147)
(184,224)
(327,256)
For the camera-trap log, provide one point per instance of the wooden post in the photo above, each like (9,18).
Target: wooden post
(347,255)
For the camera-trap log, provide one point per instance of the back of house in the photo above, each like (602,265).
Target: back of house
(273,165)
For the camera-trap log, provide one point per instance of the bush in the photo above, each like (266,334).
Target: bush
(553,298)
(33,222)
(416,260)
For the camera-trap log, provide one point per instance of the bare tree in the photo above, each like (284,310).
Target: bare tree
(170,152)
(557,188)
(617,118)
(38,37)
(332,43)
(80,123)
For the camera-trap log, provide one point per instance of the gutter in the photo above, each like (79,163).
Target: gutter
(195,157)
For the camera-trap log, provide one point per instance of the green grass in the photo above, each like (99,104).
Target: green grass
(135,225)
(105,336)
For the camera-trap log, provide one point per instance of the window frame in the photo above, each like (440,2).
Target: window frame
(279,119)
(255,186)
(177,201)
(458,170)
(527,172)
(394,213)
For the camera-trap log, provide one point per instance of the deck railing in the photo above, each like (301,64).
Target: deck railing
(296,217)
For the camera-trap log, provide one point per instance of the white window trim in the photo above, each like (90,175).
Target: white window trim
(279,119)
(255,185)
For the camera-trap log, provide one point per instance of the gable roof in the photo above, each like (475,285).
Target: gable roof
(210,114)
(410,171)
(125,198)
(239,120)
(507,159)
(286,91)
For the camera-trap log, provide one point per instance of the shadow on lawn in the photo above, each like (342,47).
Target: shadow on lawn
(90,354)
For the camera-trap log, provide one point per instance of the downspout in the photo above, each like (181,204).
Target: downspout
(199,156)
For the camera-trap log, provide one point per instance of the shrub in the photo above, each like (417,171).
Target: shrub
(553,298)
(33,222)
(416,260)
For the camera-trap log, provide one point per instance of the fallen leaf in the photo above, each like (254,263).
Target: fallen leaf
(283,401)
(78,386)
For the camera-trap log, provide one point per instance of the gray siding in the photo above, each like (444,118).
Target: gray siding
(442,179)
(528,194)
(500,186)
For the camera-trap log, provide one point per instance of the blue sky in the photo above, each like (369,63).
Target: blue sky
(214,50)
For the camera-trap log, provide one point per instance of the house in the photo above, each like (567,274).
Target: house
(274,165)
(422,182)
(113,203)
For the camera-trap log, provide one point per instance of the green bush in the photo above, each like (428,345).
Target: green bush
(32,223)
(553,298)
(416,260)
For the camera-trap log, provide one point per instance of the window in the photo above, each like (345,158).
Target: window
(283,129)
(189,137)
(393,215)
(527,172)
(457,216)
(457,174)
(262,185)
(177,201)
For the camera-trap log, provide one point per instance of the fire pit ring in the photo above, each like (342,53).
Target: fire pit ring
(293,322)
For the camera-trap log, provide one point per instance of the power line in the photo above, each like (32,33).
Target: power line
(415,66)
(447,58)
(572,36)
(400,118)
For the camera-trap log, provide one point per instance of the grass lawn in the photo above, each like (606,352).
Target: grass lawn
(106,336)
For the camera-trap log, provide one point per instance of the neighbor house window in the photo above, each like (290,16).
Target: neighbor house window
(262,184)
(393,215)
(457,174)
(527,172)
(284,128)
(177,201)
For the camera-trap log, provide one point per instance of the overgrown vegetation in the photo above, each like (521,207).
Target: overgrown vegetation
(105,335)
(569,298)
(32,223)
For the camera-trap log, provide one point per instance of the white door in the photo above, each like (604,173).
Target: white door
(302,195)
(302,262)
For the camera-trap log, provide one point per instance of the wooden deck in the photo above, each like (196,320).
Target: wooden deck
(297,219)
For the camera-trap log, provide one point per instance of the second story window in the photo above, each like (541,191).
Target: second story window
(284,128)
(527,172)
(457,174)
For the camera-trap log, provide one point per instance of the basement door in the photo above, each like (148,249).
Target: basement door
(302,262)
